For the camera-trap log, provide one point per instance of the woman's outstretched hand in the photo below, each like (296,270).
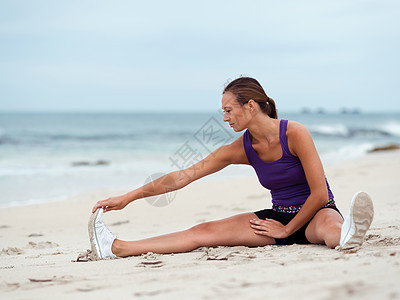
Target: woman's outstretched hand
(113,203)
(269,227)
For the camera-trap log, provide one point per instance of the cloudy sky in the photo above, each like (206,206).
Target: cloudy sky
(177,55)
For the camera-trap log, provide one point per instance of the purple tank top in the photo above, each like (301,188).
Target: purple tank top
(284,177)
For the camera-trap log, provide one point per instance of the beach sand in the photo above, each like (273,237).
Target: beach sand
(40,243)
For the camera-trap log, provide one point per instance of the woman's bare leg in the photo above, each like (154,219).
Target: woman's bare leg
(325,228)
(233,231)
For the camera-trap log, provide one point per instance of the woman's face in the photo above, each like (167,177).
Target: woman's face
(236,115)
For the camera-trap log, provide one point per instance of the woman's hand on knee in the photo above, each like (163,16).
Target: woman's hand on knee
(113,203)
(269,227)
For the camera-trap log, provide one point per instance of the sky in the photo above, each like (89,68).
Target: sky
(173,55)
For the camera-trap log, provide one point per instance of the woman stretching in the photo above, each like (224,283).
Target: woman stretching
(286,162)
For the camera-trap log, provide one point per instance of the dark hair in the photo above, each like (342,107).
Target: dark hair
(247,88)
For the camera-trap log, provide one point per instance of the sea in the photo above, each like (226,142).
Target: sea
(52,156)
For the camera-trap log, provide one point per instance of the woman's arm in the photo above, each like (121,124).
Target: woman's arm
(301,145)
(217,160)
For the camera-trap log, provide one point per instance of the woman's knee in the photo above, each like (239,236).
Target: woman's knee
(324,223)
(332,220)
(202,233)
(203,228)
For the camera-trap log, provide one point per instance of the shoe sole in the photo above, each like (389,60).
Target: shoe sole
(94,244)
(362,213)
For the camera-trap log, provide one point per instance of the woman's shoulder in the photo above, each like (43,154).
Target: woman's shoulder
(297,136)
(235,151)
(237,143)
(295,128)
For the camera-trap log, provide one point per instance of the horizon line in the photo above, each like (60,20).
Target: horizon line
(316,111)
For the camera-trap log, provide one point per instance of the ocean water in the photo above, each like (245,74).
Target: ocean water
(50,156)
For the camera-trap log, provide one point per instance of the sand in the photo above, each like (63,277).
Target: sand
(40,244)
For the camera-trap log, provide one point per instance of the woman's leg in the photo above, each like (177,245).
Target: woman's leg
(325,228)
(233,231)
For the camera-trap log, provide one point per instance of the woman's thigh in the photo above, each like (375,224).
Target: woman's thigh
(232,231)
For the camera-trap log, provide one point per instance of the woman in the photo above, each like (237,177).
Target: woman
(286,162)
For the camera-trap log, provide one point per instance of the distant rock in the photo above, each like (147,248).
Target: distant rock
(346,111)
(99,162)
(80,163)
(306,110)
(385,148)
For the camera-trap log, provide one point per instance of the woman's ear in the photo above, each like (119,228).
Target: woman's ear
(252,105)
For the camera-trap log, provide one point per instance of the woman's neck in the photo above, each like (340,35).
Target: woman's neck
(263,128)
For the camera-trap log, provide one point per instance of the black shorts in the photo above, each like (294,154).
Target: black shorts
(299,237)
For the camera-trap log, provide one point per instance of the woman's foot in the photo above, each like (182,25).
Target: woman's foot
(101,238)
(357,221)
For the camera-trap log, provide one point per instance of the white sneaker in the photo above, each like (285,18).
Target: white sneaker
(101,238)
(357,221)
